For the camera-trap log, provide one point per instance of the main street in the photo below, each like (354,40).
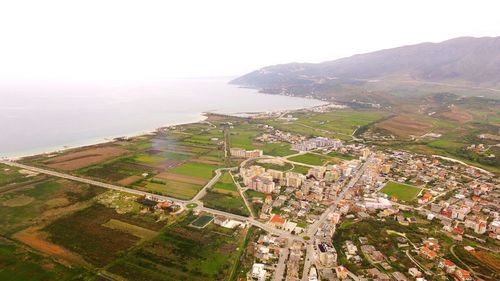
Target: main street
(183,203)
(313,228)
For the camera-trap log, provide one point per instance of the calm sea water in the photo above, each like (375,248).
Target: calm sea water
(38,117)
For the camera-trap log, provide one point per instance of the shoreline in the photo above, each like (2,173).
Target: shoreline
(102,140)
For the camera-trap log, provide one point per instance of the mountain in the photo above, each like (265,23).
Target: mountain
(465,61)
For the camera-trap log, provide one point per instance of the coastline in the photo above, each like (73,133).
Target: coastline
(108,139)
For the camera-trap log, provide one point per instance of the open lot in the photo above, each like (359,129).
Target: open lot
(34,203)
(19,264)
(313,159)
(84,232)
(202,221)
(175,189)
(403,192)
(225,202)
(404,126)
(201,170)
(182,253)
(73,160)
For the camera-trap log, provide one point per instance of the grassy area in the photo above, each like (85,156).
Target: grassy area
(342,155)
(18,264)
(201,170)
(300,169)
(177,189)
(403,192)
(24,207)
(11,175)
(182,253)
(85,233)
(277,149)
(225,202)
(202,221)
(312,159)
(285,167)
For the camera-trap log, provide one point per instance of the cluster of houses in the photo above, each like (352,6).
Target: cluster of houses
(317,143)
(242,153)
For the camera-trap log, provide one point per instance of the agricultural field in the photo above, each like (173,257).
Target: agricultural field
(202,221)
(226,185)
(37,202)
(225,202)
(337,124)
(313,159)
(201,170)
(94,234)
(182,252)
(19,264)
(403,192)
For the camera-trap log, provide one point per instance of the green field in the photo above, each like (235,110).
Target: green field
(285,167)
(277,149)
(403,192)
(177,189)
(300,169)
(312,159)
(202,221)
(200,170)
(19,264)
(85,233)
(182,253)
(225,202)
(24,207)
(11,175)
(342,155)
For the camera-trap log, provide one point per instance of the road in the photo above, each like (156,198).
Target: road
(200,207)
(203,191)
(313,228)
(280,268)
(91,182)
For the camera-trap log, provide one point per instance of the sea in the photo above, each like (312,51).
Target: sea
(38,117)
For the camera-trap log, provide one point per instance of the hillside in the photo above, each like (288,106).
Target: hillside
(464,61)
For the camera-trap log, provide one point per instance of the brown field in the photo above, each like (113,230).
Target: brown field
(167,164)
(129,180)
(83,158)
(182,178)
(403,126)
(487,259)
(458,115)
(34,239)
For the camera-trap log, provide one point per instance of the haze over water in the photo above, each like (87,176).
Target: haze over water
(36,118)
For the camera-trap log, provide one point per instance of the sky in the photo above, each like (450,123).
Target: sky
(104,39)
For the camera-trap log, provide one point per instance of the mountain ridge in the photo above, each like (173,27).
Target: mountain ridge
(467,61)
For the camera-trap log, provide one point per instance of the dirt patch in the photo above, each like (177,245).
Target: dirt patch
(457,114)
(487,259)
(129,180)
(57,202)
(168,164)
(18,201)
(33,238)
(203,161)
(182,178)
(405,126)
(83,158)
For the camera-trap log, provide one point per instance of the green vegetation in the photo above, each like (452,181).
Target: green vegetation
(403,192)
(285,167)
(313,159)
(84,232)
(343,156)
(202,221)
(24,207)
(182,253)
(177,189)
(18,264)
(277,149)
(225,202)
(201,170)
(300,169)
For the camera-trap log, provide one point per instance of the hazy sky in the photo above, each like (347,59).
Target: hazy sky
(142,39)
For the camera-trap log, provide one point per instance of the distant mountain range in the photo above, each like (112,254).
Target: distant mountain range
(464,61)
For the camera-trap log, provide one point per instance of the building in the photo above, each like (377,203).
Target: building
(342,272)
(277,221)
(447,266)
(294,179)
(241,153)
(261,184)
(258,272)
(462,275)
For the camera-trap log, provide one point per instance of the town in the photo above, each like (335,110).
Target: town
(316,207)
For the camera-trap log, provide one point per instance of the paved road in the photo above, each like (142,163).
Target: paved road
(312,229)
(280,267)
(215,179)
(89,181)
